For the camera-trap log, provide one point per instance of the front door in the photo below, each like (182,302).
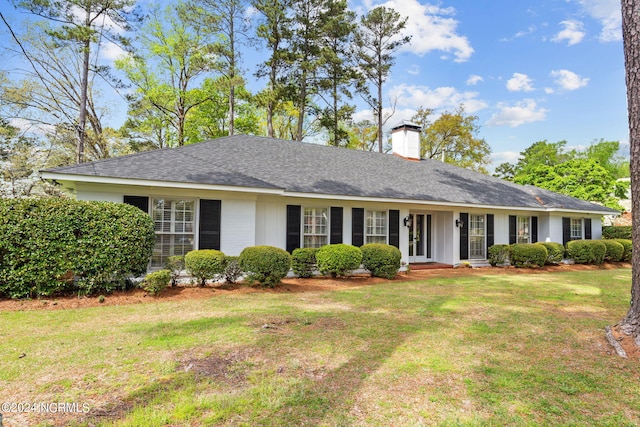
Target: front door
(419,237)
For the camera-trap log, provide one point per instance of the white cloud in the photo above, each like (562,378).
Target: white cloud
(474,80)
(568,80)
(505,157)
(441,98)
(432,28)
(525,111)
(414,70)
(573,32)
(608,13)
(111,51)
(519,83)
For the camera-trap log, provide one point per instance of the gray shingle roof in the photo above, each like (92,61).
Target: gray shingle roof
(251,161)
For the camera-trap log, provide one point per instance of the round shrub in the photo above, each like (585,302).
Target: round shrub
(599,251)
(303,261)
(555,252)
(232,271)
(627,244)
(53,246)
(498,254)
(615,250)
(580,251)
(175,264)
(587,251)
(156,282)
(338,259)
(381,260)
(267,265)
(204,264)
(528,254)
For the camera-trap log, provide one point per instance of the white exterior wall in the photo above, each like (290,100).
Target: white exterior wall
(271,223)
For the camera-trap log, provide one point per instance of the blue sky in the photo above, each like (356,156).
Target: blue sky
(529,69)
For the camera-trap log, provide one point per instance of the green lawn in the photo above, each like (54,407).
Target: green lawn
(477,350)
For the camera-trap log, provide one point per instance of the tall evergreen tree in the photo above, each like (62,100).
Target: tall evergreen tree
(275,32)
(377,39)
(81,25)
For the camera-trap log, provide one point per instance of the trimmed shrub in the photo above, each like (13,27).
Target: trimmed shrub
(555,252)
(628,248)
(599,251)
(580,251)
(587,251)
(267,265)
(338,259)
(232,271)
(498,254)
(615,250)
(528,255)
(616,232)
(175,264)
(54,246)
(381,260)
(156,282)
(204,264)
(303,261)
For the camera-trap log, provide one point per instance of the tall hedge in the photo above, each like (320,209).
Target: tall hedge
(616,232)
(615,250)
(53,246)
(586,251)
(628,248)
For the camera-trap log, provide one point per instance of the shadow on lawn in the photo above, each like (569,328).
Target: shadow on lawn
(327,398)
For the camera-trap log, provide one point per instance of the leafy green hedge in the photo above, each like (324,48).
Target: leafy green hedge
(381,260)
(628,248)
(303,261)
(205,264)
(265,264)
(528,254)
(555,252)
(615,250)
(616,232)
(498,254)
(53,246)
(586,251)
(338,259)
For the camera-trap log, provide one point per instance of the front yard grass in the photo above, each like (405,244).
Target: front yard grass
(477,350)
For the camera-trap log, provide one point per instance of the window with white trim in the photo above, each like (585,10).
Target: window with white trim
(523,231)
(576,228)
(376,227)
(174,221)
(315,228)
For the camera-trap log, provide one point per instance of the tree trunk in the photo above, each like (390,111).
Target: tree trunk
(630,325)
(84,84)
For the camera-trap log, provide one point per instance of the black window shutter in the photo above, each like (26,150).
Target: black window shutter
(394,228)
(587,229)
(428,234)
(534,229)
(294,216)
(209,236)
(140,202)
(357,226)
(513,229)
(464,236)
(566,230)
(490,232)
(336,225)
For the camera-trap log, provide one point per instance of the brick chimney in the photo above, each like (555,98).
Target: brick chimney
(405,140)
